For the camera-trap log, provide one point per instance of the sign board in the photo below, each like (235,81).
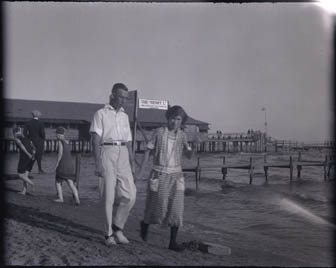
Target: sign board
(153,104)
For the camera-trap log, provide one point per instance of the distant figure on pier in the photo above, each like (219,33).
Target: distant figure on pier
(26,158)
(34,130)
(65,167)
(165,190)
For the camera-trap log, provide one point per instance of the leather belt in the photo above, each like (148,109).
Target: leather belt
(115,143)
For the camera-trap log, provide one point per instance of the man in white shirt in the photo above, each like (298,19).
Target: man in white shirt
(114,163)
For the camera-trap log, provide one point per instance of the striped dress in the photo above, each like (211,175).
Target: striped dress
(165,192)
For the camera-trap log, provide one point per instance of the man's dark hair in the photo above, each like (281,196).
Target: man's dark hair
(118,86)
(175,111)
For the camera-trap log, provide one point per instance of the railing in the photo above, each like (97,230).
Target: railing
(295,145)
(77,146)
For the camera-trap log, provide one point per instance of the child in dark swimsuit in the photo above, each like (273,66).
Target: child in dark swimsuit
(26,159)
(65,168)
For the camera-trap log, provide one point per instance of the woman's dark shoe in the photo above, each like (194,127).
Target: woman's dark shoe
(143,230)
(176,247)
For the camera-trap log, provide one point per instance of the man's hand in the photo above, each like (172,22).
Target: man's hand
(196,140)
(96,154)
(132,163)
(98,173)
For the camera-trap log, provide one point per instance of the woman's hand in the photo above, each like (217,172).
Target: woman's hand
(98,168)
(196,140)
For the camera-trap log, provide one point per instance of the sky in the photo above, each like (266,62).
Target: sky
(221,62)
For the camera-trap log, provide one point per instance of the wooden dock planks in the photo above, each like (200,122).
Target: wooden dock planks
(327,164)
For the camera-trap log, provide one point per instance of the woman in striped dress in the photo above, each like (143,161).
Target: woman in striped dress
(165,192)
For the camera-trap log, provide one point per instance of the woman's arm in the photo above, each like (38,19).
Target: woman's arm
(190,150)
(23,149)
(149,150)
(143,163)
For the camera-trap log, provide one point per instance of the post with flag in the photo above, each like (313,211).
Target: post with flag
(131,108)
(135,118)
(265,124)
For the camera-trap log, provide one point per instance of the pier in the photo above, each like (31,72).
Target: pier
(211,143)
(277,165)
(50,146)
(327,163)
(223,168)
(289,145)
(253,142)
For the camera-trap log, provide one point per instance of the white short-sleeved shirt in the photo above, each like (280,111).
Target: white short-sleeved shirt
(111,125)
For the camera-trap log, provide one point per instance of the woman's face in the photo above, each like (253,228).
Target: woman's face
(174,122)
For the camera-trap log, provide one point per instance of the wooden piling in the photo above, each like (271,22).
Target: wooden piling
(77,170)
(325,168)
(251,170)
(290,168)
(197,173)
(224,170)
(299,167)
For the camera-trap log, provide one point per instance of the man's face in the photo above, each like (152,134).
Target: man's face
(119,98)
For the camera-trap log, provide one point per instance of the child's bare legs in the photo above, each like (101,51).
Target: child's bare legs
(74,191)
(59,192)
(24,190)
(26,180)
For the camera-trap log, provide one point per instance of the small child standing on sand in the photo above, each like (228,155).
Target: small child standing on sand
(165,192)
(65,168)
(26,158)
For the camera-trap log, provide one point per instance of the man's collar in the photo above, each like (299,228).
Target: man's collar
(36,118)
(109,106)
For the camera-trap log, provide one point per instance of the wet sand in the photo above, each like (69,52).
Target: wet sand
(39,231)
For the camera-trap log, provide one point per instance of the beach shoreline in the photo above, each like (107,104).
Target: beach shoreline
(39,231)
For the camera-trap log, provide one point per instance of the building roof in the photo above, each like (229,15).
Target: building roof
(57,111)
(51,110)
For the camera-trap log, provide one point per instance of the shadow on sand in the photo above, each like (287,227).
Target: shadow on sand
(47,221)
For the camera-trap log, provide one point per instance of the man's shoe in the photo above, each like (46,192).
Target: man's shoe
(109,240)
(120,238)
(42,171)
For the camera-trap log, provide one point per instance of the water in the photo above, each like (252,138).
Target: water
(294,220)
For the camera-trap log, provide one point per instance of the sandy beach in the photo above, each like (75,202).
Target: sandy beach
(39,231)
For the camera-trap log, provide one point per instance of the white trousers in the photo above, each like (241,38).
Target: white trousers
(119,190)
